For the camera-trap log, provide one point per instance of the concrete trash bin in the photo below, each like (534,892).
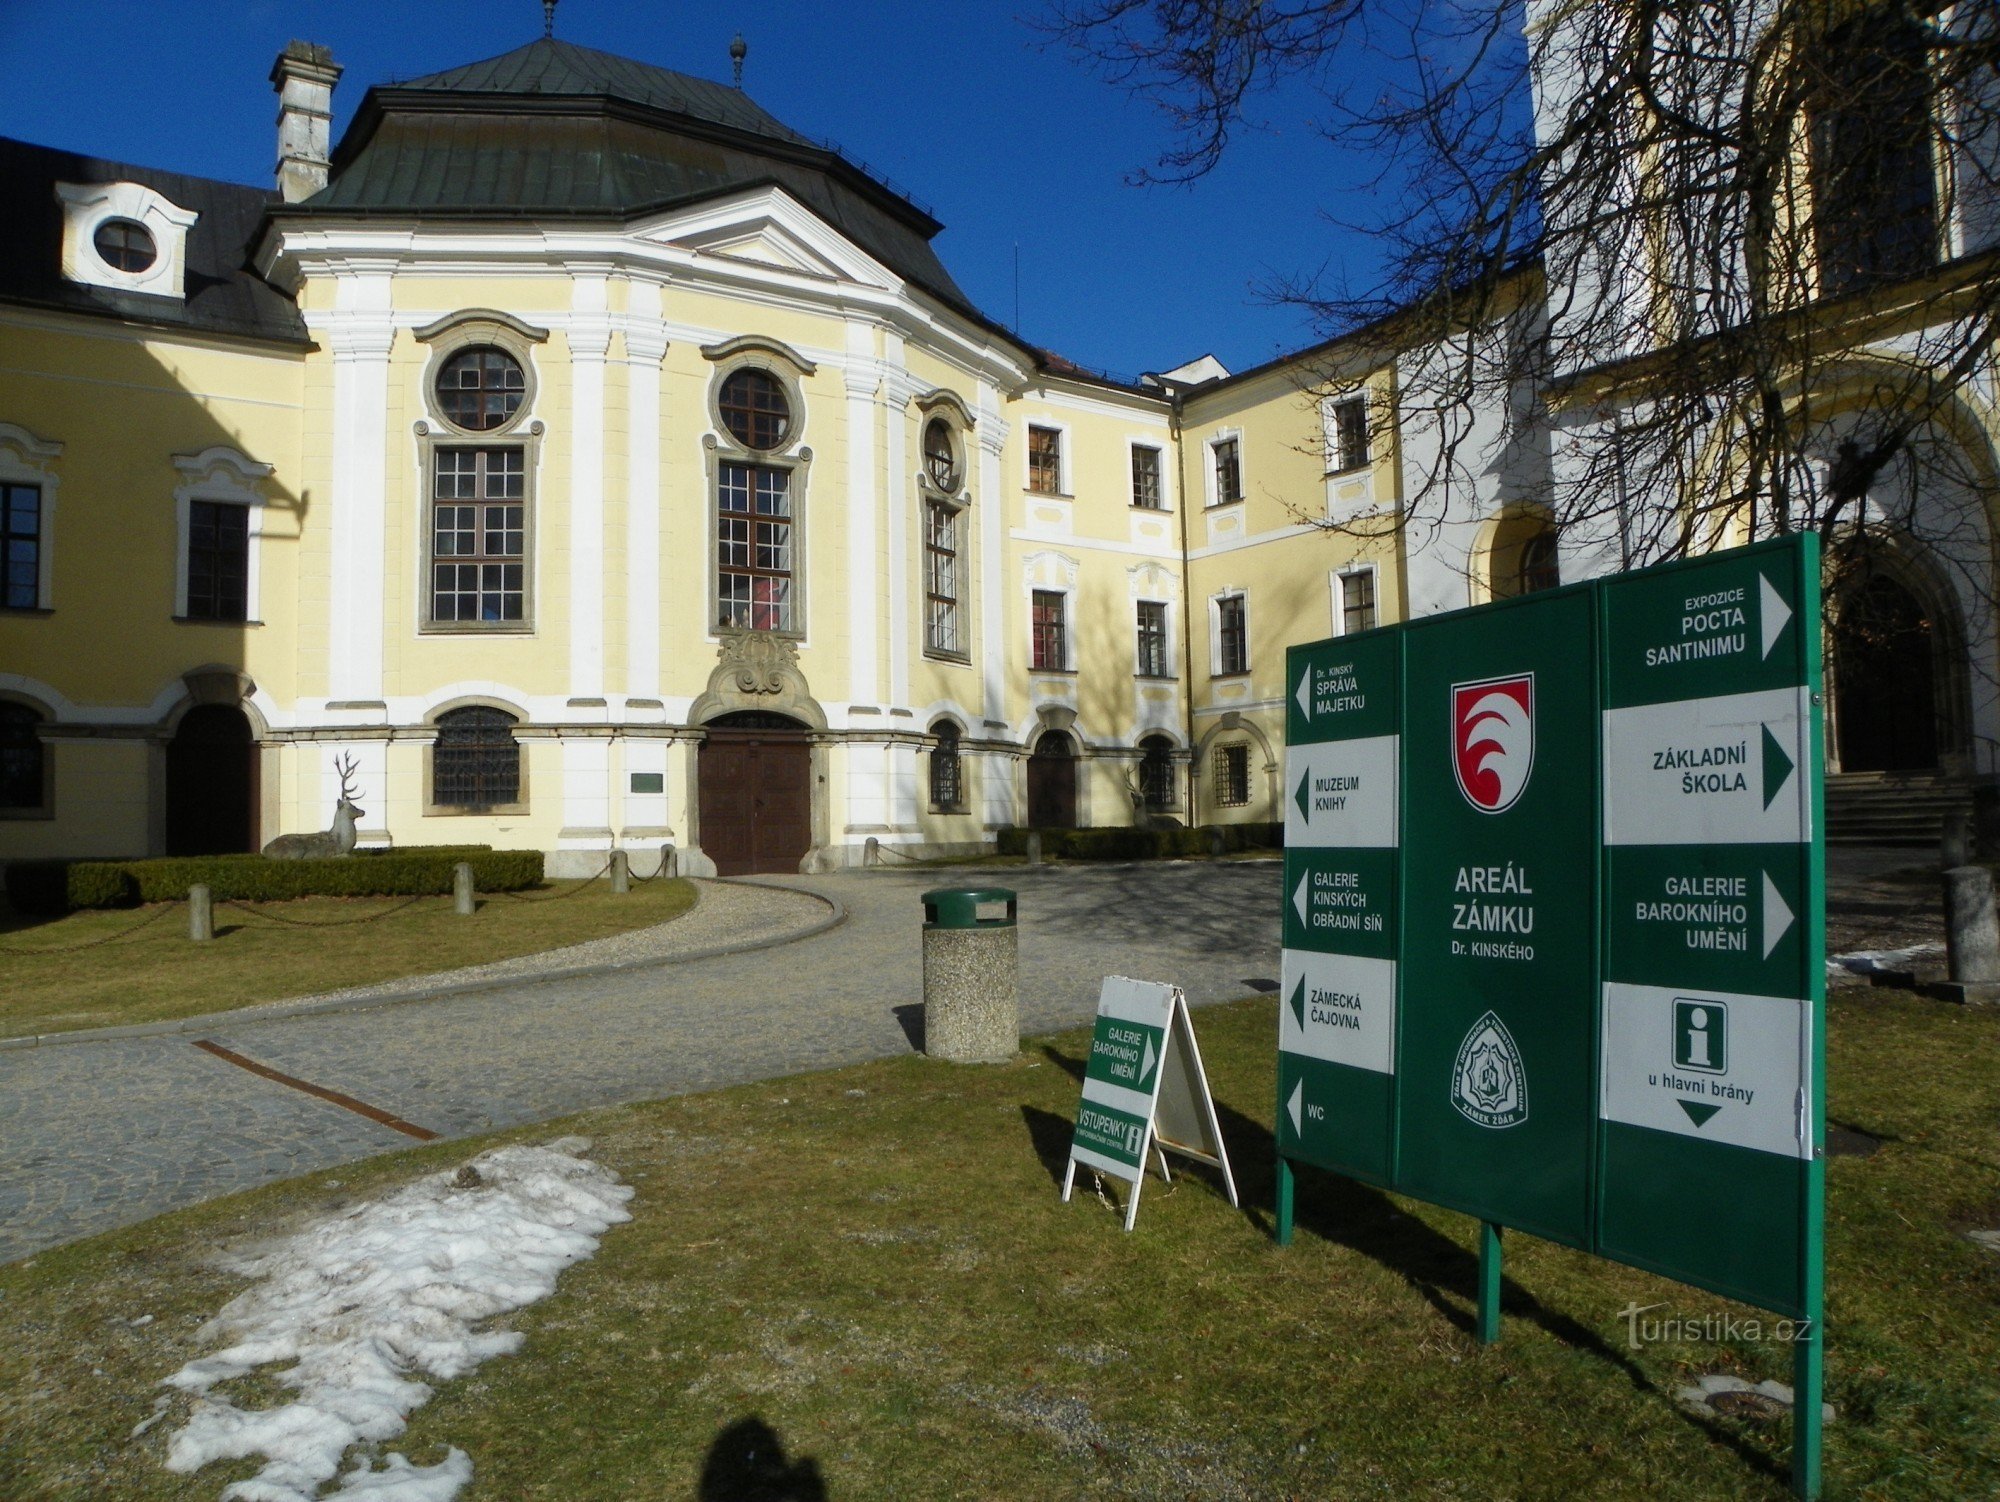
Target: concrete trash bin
(972,1008)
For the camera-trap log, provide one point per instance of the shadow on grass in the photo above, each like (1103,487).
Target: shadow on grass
(1365,1220)
(746,1463)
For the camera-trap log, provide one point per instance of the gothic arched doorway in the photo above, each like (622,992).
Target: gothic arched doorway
(754,776)
(1883,645)
(212,783)
(1052,782)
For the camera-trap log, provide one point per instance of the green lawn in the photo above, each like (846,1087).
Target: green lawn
(265,954)
(874,1264)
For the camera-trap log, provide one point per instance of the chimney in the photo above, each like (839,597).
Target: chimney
(304,74)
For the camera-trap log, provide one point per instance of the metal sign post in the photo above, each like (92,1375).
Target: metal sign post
(1554,912)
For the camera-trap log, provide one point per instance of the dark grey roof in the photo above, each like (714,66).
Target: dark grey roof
(552,67)
(553,130)
(224,296)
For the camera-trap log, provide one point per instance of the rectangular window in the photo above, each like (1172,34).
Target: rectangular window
(1045,460)
(1146,493)
(1347,434)
(1873,179)
(479,536)
(753,540)
(1152,639)
(1232,776)
(21,546)
(1051,643)
(1228,472)
(1357,601)
(218,561)
(1232,649)
(940,577)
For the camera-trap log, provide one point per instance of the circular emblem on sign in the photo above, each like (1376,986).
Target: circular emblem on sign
(1493,739)
(1488,1085)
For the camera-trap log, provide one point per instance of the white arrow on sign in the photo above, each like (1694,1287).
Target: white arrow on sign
(1772,613)
(1778,916)
(1299,897)
(1305,690)
(1294,1108)
(1146,1068)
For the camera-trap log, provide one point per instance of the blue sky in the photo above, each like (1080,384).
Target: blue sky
(1007,140)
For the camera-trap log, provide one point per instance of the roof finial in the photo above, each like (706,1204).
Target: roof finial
(738,50)
(548,19)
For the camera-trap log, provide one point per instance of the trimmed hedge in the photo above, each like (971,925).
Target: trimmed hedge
(1130,844)
(53,887)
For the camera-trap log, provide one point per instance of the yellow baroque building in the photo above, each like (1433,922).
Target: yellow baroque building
(576,458)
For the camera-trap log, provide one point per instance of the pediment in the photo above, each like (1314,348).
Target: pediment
(768,227)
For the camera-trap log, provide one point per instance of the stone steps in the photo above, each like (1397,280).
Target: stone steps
(1891,808)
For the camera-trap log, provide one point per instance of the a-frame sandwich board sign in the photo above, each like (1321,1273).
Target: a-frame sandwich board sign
(1144,1090)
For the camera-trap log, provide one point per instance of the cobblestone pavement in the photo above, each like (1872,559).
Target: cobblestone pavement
(100,1134)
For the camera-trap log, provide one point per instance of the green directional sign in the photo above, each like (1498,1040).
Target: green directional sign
(1553,917)
(1337,1030)
(1126,1053)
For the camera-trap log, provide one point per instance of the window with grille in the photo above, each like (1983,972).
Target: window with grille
(940,455)
(1156,772)
(479,536)
(21,546)
(1228,471)
(1232,775)
(1357,601)
(753,532)
(218,561)
(755,409)
(947,782)
(481,388)
(476,763)
(1146,493)
(1232,649)
(1153,639)
(1051,640)
(1045,460)
(23,769)
(1347,436)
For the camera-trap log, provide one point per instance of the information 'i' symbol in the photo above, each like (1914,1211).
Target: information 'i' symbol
(1701,1036)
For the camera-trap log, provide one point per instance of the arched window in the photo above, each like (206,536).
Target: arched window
(940,454)
(1156,773)
(1538,568)
(755,408)
(476,764)
(23,761)
(947,771)
(481,388)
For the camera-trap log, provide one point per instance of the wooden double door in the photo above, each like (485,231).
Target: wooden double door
(755,778)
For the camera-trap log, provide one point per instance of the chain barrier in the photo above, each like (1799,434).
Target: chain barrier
(244,907)
(558,896)
(915,860)
(124,933)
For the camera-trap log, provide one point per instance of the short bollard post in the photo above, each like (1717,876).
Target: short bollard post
(1034,847)
(871,852)
(621,872)
(462,890)
(1971,935)
(201,914)
(972,1007)
(1957,844)
(667,860)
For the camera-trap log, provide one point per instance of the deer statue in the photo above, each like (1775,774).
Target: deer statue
(338,840)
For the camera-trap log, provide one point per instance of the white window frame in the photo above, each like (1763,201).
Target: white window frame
(1336,583)
(1065,457)
(223,476)
(1330,429)
(1159,449)
(85,206)
(1169,667)
(1211,473)
(1069,627)
(28,460)
(1215,669)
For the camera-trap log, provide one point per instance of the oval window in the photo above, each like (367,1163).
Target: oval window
(755,409)
(940,454)
(481,388)
(125,245)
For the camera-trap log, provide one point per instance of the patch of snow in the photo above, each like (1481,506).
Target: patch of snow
(360,1303)
(1870,961)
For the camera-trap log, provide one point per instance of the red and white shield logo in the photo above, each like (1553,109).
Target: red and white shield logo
(1493,739)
